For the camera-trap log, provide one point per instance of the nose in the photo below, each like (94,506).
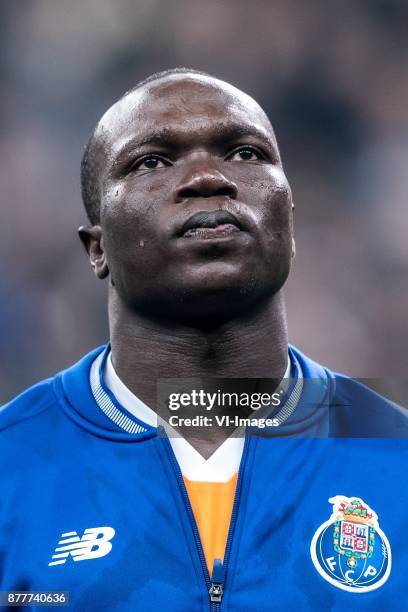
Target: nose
(205,181)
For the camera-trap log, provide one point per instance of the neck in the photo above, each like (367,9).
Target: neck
(254,345)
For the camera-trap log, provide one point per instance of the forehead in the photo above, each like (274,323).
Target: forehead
(187,103)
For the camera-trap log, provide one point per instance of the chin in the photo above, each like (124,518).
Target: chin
(206,294)
(214,302)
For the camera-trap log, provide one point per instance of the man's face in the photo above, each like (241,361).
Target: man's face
(196,211)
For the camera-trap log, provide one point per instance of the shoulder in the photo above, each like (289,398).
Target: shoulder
(41,399)
(363,411)
(355,410)
(27,405)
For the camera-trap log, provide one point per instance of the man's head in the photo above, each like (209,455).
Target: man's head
(191,211)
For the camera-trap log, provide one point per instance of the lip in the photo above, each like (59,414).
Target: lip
(225,230)
(210,224)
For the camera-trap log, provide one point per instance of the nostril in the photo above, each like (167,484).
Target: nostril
(225,191)
(191,192)
(188,192)
(206,185)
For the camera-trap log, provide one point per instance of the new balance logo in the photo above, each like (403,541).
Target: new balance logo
(94,543)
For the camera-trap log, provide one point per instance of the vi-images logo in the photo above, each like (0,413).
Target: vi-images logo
(94,543)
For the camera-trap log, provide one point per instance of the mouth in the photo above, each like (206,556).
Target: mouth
(210,224)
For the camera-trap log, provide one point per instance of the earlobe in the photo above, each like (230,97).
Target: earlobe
(92,239)
(100,267)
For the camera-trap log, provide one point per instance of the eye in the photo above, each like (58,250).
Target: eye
(150,162)
(245,154)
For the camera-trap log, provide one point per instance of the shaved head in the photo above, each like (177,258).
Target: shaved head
(95,151)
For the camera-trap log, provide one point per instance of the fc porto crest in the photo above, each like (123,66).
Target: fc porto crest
(350,550)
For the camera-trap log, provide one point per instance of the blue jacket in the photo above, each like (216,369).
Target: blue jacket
(113,503)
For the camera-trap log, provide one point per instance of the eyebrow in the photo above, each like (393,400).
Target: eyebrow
(168,136)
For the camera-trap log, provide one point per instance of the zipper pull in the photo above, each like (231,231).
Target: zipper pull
(216,591)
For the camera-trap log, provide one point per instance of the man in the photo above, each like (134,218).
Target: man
(192,224)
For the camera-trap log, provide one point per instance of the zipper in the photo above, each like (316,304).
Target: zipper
(215,584)
(216,590)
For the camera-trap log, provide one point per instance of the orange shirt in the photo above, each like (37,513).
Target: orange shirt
(212,504)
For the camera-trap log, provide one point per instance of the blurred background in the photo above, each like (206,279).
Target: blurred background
(332,77)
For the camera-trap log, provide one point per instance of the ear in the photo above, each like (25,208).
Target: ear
(92,239)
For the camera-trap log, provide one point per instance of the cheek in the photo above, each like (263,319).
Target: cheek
(128,215)
(276,192)
(276,218)
(270,198)
(126,238)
